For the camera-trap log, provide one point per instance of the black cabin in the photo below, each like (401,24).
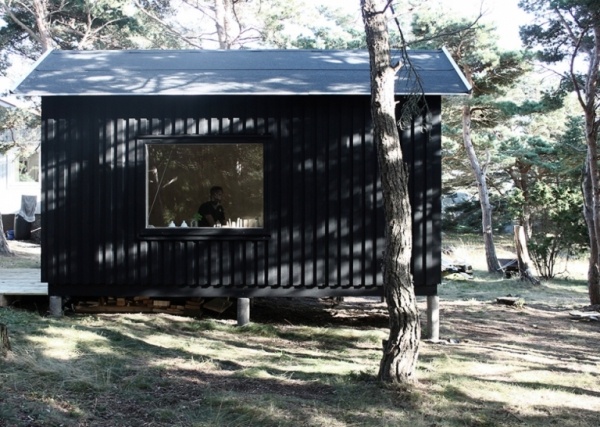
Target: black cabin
(133,141)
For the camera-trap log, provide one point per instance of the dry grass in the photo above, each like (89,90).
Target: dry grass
(308,363)
(26,255)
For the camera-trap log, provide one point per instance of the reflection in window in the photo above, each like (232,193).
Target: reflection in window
(180,177)
(28,167)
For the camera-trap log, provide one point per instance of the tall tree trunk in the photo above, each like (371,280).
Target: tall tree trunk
(4,249)
(223,18)
(591,219)
(521,180)
(42,13)
(484,197)
(398,364)
(591,187)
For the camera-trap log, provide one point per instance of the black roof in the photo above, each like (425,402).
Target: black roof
(231,72)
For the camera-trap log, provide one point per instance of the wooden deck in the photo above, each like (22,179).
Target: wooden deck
(20,281)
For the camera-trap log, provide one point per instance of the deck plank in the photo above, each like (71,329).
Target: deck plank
(22,281)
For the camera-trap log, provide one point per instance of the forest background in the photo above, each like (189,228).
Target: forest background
(513,152)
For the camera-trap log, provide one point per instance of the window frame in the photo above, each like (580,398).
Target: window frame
(200,233)
(12,158)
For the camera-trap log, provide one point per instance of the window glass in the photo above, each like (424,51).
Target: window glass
(27,167)
(204,185)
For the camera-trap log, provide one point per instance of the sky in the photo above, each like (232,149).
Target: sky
(505,14)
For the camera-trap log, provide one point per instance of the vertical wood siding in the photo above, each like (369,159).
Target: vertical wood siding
(323,203)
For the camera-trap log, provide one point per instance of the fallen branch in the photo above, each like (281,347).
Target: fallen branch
(585,315)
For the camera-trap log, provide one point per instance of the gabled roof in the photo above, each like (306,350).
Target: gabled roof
(231,72)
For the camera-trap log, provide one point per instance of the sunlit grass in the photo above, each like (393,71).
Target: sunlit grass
(506,366)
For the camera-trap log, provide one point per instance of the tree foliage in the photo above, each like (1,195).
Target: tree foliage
(19,129)
(34,26)
(559,230)
(491,72)
(569,30)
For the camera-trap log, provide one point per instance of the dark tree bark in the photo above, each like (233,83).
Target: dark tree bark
(588,213)
(398,364)
(588,98)
(4,342)
(4,249)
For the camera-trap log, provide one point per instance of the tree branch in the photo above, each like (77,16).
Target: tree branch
(20,23)
(165,25)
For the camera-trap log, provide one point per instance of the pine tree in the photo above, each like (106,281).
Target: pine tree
(569,31)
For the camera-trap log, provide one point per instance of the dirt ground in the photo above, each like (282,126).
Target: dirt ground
(26,255)
(467,322)
(533,346)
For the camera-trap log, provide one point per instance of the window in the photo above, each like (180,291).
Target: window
(180,176)
(28,167)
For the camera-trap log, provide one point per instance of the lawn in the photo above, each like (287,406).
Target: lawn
(310,363)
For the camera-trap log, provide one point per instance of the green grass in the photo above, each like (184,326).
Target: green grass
(137,369)
(495,366)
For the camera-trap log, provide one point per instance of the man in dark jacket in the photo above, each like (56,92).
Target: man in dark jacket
(212,212)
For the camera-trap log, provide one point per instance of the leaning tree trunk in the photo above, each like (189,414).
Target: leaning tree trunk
(484,196)
(4,249)
(398,364)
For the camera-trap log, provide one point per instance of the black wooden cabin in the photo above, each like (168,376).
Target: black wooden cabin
(132,141)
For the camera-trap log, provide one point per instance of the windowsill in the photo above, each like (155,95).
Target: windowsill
(201,233)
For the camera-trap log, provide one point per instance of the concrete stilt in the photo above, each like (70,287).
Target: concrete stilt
(56,306)
(243,311)
(3,301)
(433,317)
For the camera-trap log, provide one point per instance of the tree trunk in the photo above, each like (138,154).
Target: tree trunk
(398,364)
(522,182)
(591,186)
(590,219)
(484,197)
(223,18)
(4,249)
(523,256)
(4,342)
(42,20)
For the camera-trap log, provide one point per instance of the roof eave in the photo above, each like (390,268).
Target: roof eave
(14,89)
(41,94)
(468,85)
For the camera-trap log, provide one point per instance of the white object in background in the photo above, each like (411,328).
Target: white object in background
(183,224)
(172,224)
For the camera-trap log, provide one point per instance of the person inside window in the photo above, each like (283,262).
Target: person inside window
(212,212)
